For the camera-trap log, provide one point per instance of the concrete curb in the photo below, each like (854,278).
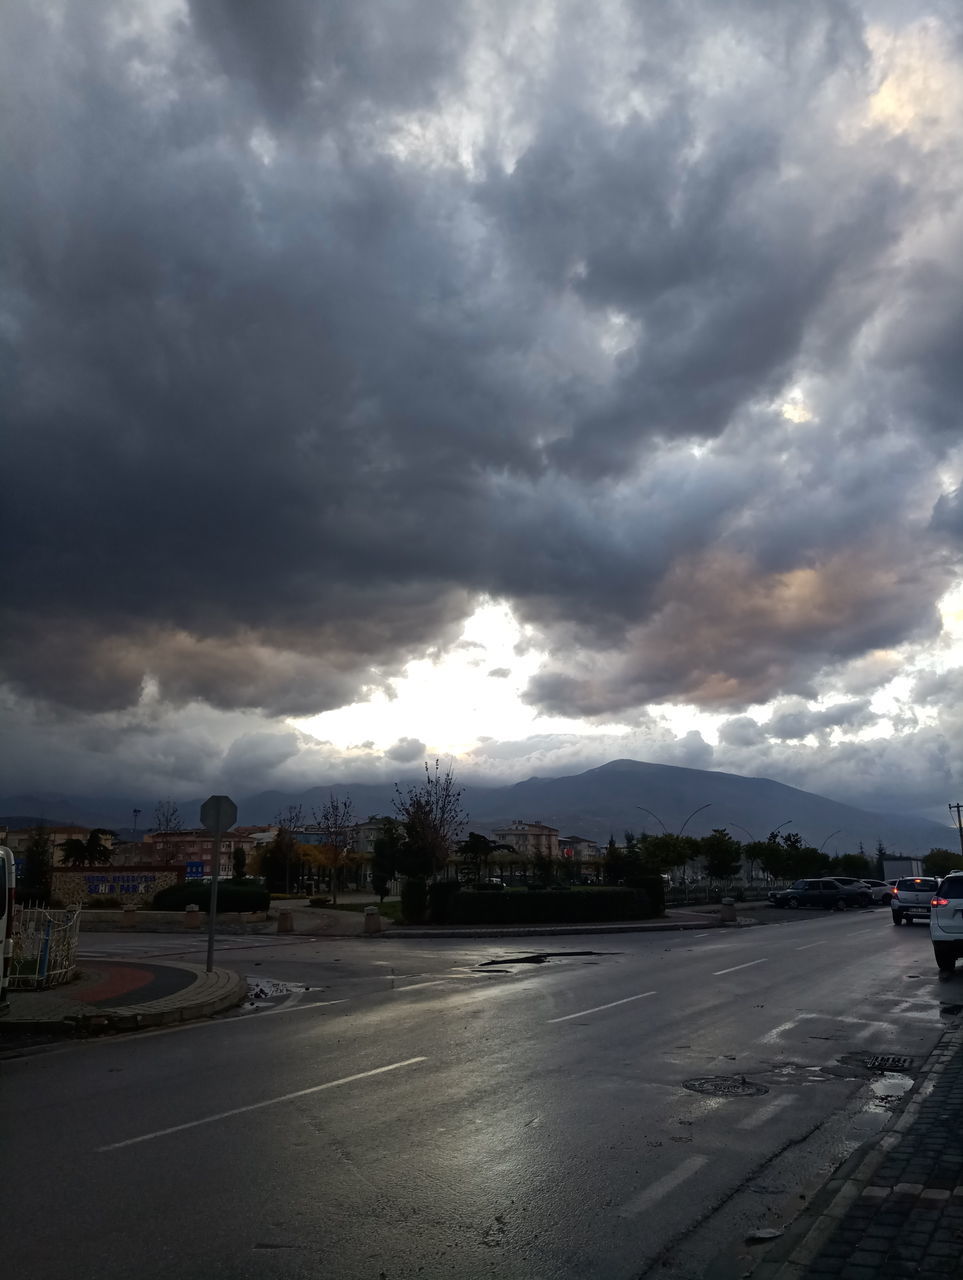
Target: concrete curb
(791,1258)
(549,930)
(212,993)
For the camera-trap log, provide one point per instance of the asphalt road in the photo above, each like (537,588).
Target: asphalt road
(517,1120)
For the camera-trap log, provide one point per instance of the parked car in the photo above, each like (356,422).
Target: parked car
(881,890)
(946,922)
(832,895)
(911,898)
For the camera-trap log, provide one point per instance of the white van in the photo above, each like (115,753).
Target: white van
(8,878)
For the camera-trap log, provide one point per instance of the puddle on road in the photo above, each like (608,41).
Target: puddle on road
(539,957)
(890,1086)
(262,991)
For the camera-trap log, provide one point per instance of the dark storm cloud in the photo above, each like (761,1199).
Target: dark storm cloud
(406,749)
(802,722)
(291,385)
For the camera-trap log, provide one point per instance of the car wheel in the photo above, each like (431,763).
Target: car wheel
(945,954)
(793,903)
(840,904)
(897,917)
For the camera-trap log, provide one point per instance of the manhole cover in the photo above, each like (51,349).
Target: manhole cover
(725,1086)
(889,1062)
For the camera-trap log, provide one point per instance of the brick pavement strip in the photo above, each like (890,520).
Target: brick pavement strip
(877,1223)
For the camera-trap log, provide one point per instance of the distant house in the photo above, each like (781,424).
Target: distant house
(584,854)
(17,841)
(178,848)
(529,839)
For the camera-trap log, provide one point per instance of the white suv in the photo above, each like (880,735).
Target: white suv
(946,922)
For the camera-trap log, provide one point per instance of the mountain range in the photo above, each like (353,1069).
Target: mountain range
(618,796)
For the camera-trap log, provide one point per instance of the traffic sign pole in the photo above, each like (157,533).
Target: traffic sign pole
(218,814)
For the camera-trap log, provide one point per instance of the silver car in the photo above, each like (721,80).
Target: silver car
(946,922)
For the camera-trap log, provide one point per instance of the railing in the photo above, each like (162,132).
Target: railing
(44,947)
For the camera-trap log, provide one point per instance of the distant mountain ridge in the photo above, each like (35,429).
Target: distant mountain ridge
(596,804)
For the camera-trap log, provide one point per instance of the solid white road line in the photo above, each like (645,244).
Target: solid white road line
(748,965)
(416,986)
(656,1190)
(292,1008)
(702,935)
(599,1007)
(256,1106)
(776,1033)
(808,946)
(766,1113)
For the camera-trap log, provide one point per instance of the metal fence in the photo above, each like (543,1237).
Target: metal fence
(44,947)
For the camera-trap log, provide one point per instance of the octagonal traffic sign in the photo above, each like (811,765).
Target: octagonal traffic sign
(218,814)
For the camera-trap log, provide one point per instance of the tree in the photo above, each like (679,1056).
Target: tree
(853,864)
(335,821)
(721,853)
(167,822)
(753,854)
(880,856)
(432,818)
(615,864)
(37,867)
(543,867)
(96,851)
(938,862)
(73,852)
(476,851)
(384,856)
(284,852)
(92,852)
(667,851)
(239,860)
(167,817)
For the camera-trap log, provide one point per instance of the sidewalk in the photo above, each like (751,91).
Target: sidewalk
(117,995)
(897,1209)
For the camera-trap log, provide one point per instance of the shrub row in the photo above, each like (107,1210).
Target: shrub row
(230,897)
(550,906)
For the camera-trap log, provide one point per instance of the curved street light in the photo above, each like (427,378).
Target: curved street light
(829,837)
(693,814)
(654,815)
(745,829)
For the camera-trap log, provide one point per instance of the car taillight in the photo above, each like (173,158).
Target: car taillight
(939,902)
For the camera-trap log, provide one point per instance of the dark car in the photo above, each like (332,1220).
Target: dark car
(831,895)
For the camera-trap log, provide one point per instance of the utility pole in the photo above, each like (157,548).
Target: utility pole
(959,822)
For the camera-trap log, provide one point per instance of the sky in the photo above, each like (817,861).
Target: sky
(529,385)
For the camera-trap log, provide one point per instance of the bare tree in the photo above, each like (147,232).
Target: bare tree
(167,822)
(284,851)
(335,822)
(433,819)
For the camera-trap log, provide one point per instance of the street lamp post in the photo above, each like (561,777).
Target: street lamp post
(829,837)
(654,815)
(693,814)
(665,830)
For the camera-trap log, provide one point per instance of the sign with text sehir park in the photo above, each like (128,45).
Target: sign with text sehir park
(218,814)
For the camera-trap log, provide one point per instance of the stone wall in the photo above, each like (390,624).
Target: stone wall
(134,885)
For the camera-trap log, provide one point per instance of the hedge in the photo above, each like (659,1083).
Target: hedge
(553,906)
(230,897)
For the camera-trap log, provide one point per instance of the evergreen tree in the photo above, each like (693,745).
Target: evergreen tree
(37,867)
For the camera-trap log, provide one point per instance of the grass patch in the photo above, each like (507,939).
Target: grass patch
(388,910)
